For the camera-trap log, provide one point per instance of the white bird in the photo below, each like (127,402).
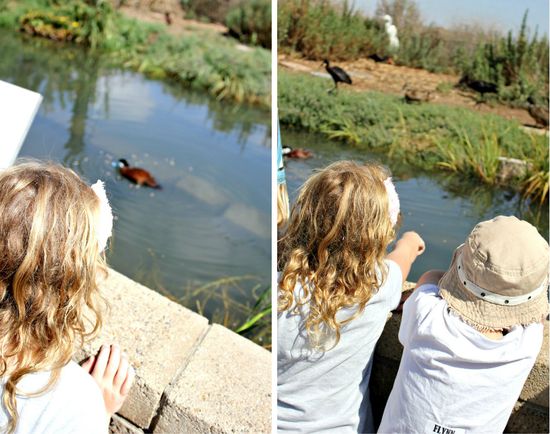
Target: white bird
(391,31)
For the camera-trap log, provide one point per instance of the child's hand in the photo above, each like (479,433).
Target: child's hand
(113,374)
(406,250)
(416,241)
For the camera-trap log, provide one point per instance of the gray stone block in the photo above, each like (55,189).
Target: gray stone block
(225,388)
(535,389)
(120,425)
(158,336)
(528,418)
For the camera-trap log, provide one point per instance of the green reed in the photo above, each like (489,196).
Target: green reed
(202,60)
(518,65)
(428,136)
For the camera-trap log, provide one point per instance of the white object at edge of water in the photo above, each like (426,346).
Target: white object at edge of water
(18,107)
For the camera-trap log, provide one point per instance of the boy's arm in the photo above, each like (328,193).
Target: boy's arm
(407,248)
(430,277)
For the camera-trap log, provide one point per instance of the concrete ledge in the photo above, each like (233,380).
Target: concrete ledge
(528,418)
(530,414)
(536,386)
(183,363)
(119,425)
(211,394)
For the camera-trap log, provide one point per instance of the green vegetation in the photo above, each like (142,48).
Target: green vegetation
(219,301)
(426,136)
(444,87)
(240,303)
(202,61)
(250,22)
(208,10)
(247,20)
(518,66)
(318,29)
(259,313)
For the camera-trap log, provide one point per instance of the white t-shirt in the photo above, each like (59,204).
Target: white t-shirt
(452,378)
(73,405)
(328,391)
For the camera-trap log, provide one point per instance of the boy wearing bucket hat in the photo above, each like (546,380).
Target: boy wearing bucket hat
(471,335)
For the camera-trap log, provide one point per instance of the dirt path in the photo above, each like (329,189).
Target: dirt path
(369,75)
(179,25)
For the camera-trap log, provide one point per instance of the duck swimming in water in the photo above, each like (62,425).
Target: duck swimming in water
(296,153)
(136,174)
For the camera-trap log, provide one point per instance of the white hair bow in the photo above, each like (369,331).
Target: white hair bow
(393,199)
(105,215)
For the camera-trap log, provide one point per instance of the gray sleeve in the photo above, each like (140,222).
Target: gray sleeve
(393,284)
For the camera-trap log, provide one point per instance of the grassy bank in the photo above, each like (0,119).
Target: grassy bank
(517,65)
(219,301)
(428,136)
(201,60)
(240,303)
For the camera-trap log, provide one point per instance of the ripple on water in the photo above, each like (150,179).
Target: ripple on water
(212,217)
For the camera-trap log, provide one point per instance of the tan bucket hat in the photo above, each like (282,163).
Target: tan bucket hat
(499,277)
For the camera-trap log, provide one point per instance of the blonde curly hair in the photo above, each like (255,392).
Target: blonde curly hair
(337,236)
(49,264)
(282,205)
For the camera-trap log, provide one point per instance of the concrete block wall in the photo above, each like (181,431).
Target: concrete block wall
(194,377)
(530,414)
(191,376)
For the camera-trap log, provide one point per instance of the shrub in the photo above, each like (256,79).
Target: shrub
(319,29)
(250,22)
(426,136)
(213,10)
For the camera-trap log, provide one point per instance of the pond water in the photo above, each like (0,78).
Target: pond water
(442,208)
(210,221)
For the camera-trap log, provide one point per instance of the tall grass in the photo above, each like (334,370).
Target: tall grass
(208,10)
(426,136)
(519,66)
(220,302)
(250,22)
(205,62)
(471,154)
(318,29)
(202,60)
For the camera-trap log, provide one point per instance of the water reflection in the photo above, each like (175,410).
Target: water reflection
(211,220)
(84,87)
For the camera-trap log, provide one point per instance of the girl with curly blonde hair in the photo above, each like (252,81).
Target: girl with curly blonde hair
(53,230)
(336,288)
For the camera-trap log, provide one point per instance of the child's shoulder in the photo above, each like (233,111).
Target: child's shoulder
(423,301)
(76,381)
(72,379)
(429,291)
(79,394)
(74,403)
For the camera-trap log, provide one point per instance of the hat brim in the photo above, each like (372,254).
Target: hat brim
(482,314)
